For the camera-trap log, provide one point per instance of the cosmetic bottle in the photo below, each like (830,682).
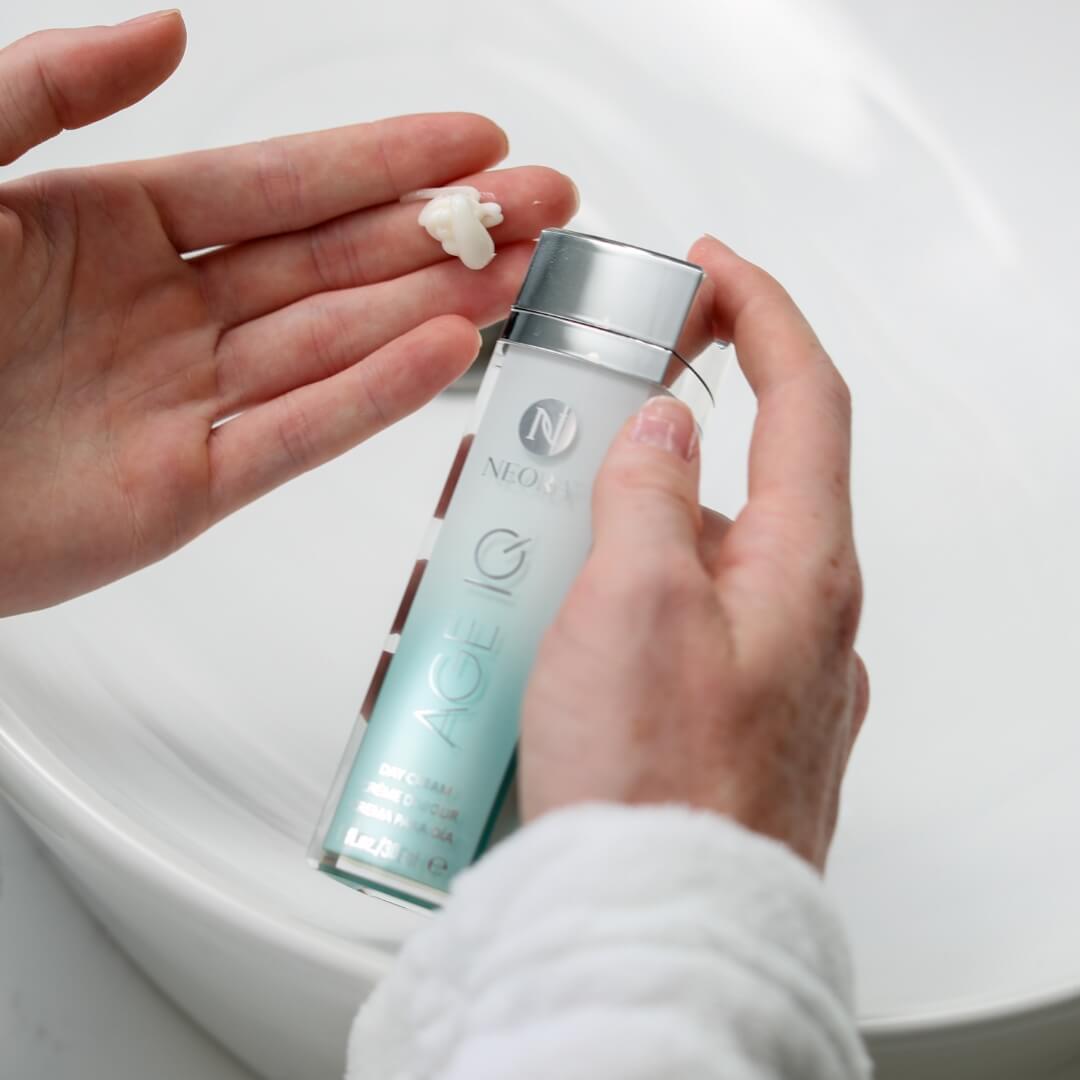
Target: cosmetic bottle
(595,331)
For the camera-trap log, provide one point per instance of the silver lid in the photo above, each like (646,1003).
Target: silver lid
(610,285)
(621,306)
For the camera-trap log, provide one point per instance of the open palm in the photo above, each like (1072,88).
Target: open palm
(321,314)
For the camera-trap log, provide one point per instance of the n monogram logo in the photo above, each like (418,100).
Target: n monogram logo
(547,427)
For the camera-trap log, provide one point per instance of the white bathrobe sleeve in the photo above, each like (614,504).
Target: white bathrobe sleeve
(608,942)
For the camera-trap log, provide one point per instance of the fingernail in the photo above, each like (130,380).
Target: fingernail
(716,240)
(576,191)
(150,16)
(505,137)
(666,423)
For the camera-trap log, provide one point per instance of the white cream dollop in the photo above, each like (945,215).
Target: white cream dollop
(457,218)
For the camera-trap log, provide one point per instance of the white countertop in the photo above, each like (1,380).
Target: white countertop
(71,1004)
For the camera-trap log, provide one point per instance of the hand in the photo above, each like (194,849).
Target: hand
(329,314)
(702,661)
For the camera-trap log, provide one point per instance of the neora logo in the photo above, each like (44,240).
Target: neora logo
(547,427)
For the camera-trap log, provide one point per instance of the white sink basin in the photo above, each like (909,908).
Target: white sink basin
(902,170)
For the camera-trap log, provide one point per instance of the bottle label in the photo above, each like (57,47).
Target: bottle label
(444,725)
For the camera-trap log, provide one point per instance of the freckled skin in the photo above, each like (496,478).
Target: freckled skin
(706,661)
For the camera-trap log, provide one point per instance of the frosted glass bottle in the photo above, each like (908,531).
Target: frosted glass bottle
(594,333)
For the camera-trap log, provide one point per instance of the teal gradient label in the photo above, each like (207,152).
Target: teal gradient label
(444,727)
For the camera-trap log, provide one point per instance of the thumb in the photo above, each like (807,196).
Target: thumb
(59,79)
(645,498)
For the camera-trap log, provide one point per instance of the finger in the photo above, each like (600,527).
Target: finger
(252,279)
(698,332)
(260,449)
(714,527)
(801,446)
(861,699)
(324,334)
(279,185)
(645,503)
(59,79)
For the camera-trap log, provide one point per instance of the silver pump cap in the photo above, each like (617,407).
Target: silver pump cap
(620,306)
